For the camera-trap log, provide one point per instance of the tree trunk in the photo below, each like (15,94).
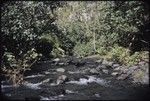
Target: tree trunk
(94,46)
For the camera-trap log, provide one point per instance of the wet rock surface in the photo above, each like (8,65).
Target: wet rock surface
(80,79)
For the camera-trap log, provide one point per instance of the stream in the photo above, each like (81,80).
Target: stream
(61,80)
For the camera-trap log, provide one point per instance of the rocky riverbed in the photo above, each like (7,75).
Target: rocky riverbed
(74,78)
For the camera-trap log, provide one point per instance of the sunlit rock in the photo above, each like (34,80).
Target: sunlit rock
(56,60)
(46,80)
(115,65)
(117,69)
(105,62)
(47,72)
(101,67)
(114,73)
(69,91)
(33,76)
(97,95)
(61,79)
(105,71)
(99,61)
(33,86)
(94,71)
(60,70)
(122,77)
(142,63)
(61,64)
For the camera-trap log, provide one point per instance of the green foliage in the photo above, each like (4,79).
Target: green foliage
(136,57)
(58,52)
(14,68)
(72,28)
(23,23)
(102,50)
(110,22)
(117,54)
(122,56)
(83,50)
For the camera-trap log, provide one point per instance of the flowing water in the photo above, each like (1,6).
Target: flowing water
(81,85)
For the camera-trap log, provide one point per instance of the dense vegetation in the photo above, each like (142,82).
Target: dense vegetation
(106,28)
(116,30)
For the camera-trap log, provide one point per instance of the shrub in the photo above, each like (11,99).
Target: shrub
(57,52)
(121,55)
(116,54)
(83,49)
(102,51)
(14,68)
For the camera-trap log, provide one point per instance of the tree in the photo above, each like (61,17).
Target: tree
(104,22)
(23,23)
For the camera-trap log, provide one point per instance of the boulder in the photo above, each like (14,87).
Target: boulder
(117,69)
(141,76)
(99,61)
(127,72)
(110,63)
(56,60)
(101,67)
(142,63)
(61,64)
(47,72)
(91,65)
(124,71)
(105,62)
(78,64)
(105,71)
(115,65)
(145,79)
(132,69)
(114,73)
(97,95)
(62,79)
(85,70)
(60,70)
(93,71)
(122,77)
(46,80)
